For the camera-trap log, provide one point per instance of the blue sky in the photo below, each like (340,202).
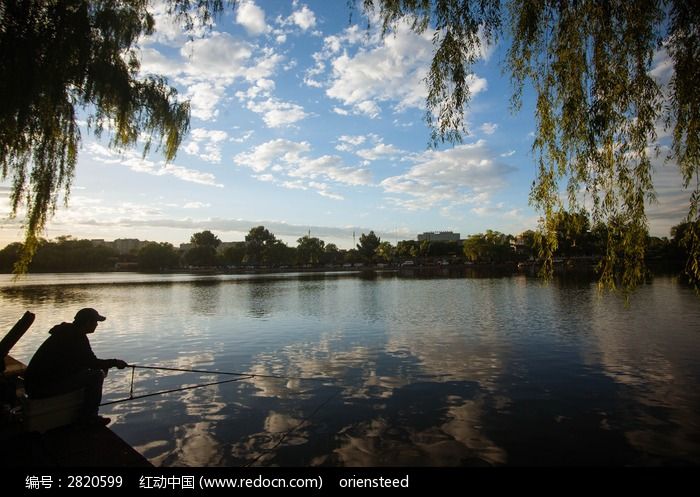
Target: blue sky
(303,121)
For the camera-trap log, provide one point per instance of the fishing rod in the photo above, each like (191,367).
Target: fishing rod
(253,375)
(240,377)
(162,392)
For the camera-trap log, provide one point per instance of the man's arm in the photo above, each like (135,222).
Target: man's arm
(110,363)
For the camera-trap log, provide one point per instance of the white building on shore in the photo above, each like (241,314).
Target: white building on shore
(439,236)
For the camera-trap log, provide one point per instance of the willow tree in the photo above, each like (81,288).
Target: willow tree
(598,108)
(65,60)
(589,61)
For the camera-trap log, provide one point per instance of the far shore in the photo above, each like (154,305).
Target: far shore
(428,268)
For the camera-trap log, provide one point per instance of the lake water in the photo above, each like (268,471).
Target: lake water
(406,371)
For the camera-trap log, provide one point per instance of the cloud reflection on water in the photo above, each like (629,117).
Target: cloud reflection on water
(647,362)
(416,372)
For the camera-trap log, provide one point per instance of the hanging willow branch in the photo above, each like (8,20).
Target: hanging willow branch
(597,106)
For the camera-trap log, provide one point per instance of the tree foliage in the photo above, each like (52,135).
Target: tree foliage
(201,256)
(492,246)
(65,254)
(331,254)
(203,253)
(685,241)
(235,253)
(310,250)
(405,249)
(367,248)
(385,252)
(205,239)
(154,257)
(259,244)
(279,253)
(572,232)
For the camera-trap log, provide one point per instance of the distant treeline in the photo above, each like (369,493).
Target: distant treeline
(63,255)
(575,239)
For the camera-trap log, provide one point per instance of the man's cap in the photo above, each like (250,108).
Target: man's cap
(88,314)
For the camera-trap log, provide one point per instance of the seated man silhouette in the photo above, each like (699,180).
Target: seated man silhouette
(65,362)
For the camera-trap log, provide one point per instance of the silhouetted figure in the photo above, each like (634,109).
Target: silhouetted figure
(65,362)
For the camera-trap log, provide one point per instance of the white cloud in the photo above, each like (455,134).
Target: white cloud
(294,185)
(304,18)
(244,137)
(195,205)
(368,108)
(662,67)
(330,167)
(261,88)
(312,82)
(277,113)
(350,36)
(508,154)
(349,143)
(87,211)
(486,210)
(264,177)
(398,123)
(186,174)
(292,165)
(466,174)
(208,66)
(379,151)
(340,111)
(320,188)
(5,208)
(672,200)
(204,98)
(489,128)
(251,17)
(192,148)
(393,70)
(135,162)
(353,140)
(206,144)
(168,30)
(265,66)
(217,56)
(213,135)
(513,213)
(263,156)
(154,62)
(331,47)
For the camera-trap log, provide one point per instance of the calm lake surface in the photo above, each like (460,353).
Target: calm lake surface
(414,372)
